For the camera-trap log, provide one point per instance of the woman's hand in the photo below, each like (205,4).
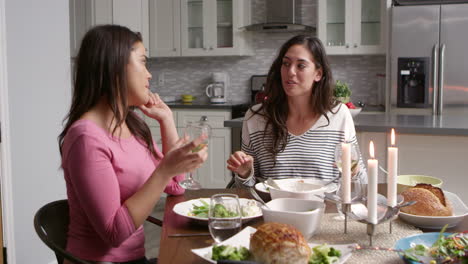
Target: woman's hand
(182,158)
(156,108)
(240,163)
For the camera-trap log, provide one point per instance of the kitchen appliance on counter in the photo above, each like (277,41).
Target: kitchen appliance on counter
(217,91)
(257,88)
(429,61)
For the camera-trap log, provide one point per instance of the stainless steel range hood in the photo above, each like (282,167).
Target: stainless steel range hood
(282,16)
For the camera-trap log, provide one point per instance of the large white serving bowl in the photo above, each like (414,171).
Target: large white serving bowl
(305,215)
(460,210)
(298,189)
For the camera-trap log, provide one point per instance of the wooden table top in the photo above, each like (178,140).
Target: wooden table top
(177,249)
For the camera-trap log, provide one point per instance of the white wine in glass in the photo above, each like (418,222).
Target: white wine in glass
(194,131)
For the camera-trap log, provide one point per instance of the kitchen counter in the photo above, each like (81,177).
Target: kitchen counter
(406,124)
(205,104)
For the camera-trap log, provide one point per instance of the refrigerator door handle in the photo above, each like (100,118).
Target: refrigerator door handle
(441,79)
(435,72)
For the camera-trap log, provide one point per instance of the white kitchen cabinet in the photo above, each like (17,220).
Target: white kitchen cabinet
(213,173)
(353,27)
(84,14)
(199,28)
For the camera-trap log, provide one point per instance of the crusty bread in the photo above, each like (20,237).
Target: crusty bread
(279,243)
(430,201)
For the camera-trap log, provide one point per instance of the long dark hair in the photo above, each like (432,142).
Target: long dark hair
(100,72)
(276,110)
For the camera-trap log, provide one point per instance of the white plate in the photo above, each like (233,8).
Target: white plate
(184,208)
(262,186)
(243,239)
(437,222)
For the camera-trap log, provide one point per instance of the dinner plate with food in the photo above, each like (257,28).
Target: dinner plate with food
(197,209)
(434,207)
(274,243)
(434,248)
(299,185)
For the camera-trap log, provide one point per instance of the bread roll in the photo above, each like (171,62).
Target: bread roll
(430,201)
(279,243)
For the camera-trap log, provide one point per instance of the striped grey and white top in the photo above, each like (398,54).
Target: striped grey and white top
(311,154)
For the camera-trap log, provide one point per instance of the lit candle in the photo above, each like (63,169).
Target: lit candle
(372,165)
(346,172)
(392,172)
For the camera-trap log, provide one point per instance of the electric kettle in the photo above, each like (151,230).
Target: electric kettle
(216,91)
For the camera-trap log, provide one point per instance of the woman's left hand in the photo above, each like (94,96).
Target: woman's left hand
(156,108)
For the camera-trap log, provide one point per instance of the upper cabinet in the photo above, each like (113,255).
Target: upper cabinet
(86,13)
(353,27)
(199,28)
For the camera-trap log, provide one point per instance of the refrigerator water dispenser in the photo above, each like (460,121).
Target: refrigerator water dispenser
(413,82)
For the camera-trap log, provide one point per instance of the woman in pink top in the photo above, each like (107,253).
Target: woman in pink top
(114,173)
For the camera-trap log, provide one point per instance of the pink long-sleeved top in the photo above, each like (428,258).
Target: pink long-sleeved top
(101,173)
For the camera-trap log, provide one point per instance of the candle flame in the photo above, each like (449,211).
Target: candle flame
(392,137)
(371,149)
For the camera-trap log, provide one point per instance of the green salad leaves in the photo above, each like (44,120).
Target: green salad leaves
(323,254)
(229,252)
(449,248)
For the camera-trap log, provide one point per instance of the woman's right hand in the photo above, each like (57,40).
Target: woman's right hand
(240,163)
(182,158)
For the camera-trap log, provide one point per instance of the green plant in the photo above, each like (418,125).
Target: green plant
(341,89)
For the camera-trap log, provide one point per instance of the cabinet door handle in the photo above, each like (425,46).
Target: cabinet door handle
(355,45)
(211,48)
(204,48)
(347,45)
(174,49)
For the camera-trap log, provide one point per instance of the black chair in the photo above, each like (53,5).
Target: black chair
(51,224)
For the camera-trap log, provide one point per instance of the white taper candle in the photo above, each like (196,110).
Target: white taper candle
(372,166)
(392,172)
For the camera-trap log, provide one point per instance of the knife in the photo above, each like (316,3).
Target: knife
(189,235)
(226,261)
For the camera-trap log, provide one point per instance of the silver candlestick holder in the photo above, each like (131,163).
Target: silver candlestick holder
(385,213)
(345,207)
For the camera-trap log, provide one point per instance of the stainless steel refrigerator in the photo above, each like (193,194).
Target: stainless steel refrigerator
(429,59)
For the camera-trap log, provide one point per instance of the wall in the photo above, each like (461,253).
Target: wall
(192,75)
(38,65)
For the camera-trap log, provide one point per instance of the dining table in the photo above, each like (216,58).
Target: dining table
(181,234)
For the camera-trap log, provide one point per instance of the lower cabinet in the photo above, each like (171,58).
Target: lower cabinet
(441,156)
(213,173)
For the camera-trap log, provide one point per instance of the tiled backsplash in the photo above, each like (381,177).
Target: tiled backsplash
(184,75)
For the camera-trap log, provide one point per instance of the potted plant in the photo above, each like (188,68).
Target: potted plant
(342,92)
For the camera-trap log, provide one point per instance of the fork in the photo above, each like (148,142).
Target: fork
(257,197)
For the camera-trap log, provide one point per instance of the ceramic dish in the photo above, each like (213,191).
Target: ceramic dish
(184,208)
(426,239)
(437,222)
(406,181)
(355,112)
(305,215)
(265,188)
(243,239)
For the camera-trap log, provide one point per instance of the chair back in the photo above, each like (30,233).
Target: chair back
(51,224)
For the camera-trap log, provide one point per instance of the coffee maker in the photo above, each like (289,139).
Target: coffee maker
(216,91)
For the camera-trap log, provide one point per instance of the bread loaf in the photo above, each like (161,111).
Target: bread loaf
(279,243)
(430,201)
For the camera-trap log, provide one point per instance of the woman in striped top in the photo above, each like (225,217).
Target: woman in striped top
(293,133)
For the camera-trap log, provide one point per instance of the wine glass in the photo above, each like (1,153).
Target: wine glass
(194,131)
(356,179)
(224,216)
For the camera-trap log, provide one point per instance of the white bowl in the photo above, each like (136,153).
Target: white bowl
(305,215)
(355,112)
(437,222)
(297,188)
